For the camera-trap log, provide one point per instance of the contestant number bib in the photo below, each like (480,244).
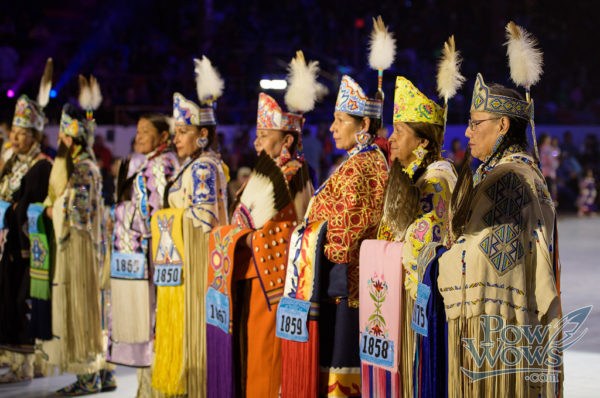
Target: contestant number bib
(3,207)
(34,211)
(376,350)
(292,319)
(217,309)
(127,265)
(168,275)
(419,315)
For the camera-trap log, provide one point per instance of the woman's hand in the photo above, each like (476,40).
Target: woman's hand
(49,212)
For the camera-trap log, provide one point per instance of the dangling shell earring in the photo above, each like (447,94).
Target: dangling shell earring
(202,142)
(362,137)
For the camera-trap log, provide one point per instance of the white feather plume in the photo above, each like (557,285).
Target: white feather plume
(45,84)
(303,88)
(96,99)
(90,96)
(382,46)
(449,78)
(524,58)
(171,123)
(209,84)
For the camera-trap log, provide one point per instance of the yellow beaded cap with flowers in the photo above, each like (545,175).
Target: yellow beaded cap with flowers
(411,105)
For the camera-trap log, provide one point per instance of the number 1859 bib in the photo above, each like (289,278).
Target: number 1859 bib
(292,316)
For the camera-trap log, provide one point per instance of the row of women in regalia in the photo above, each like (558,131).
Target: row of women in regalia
(366,285)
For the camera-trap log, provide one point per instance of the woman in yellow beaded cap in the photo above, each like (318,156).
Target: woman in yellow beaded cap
(415,213)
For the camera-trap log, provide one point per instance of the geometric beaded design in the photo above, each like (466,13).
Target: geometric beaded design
(502,245)
(484,101)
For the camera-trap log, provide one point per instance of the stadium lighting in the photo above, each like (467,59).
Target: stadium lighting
(53,93)
(274,84)
(10,93)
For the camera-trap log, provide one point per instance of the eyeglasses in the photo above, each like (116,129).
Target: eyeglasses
(474,123)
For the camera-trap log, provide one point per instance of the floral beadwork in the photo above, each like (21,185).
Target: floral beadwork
(378,290)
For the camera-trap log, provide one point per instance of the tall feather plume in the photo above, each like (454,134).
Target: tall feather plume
(525,61)
(449,78)
(209,84)
(382,46)
(45,84)
(85,93)
(90,96)
(96,99)
(524,58)
(303,89)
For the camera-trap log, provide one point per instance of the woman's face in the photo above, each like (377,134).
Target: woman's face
(23,139)
(403,142)
(185,139)
(270,141)
(487,128)
(148,138)
(344,129)
(66,139)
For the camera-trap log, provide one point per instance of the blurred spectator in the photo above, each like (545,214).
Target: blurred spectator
(567,182)
(103,154)
(234,186)
(568,147)
(244,153)
(587,197)
(549,163)
(457,153)
(313,152)
(47,148)
(590,155)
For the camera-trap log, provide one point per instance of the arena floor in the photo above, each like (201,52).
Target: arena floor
(579,245)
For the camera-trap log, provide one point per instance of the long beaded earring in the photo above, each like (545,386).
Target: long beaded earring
(362,137)
(202,142)
(419,153)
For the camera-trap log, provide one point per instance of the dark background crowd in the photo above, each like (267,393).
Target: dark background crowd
(141,52)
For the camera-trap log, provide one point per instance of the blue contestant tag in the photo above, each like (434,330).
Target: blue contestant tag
(419,315)
(217,309)
(376,350)
(168,275)
(3,207)
(33,213)
(127,265)
(292,317)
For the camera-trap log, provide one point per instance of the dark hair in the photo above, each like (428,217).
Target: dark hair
(213,141)
(295,136)
(374,126)
(159,122)
(464,191)
(433,133)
